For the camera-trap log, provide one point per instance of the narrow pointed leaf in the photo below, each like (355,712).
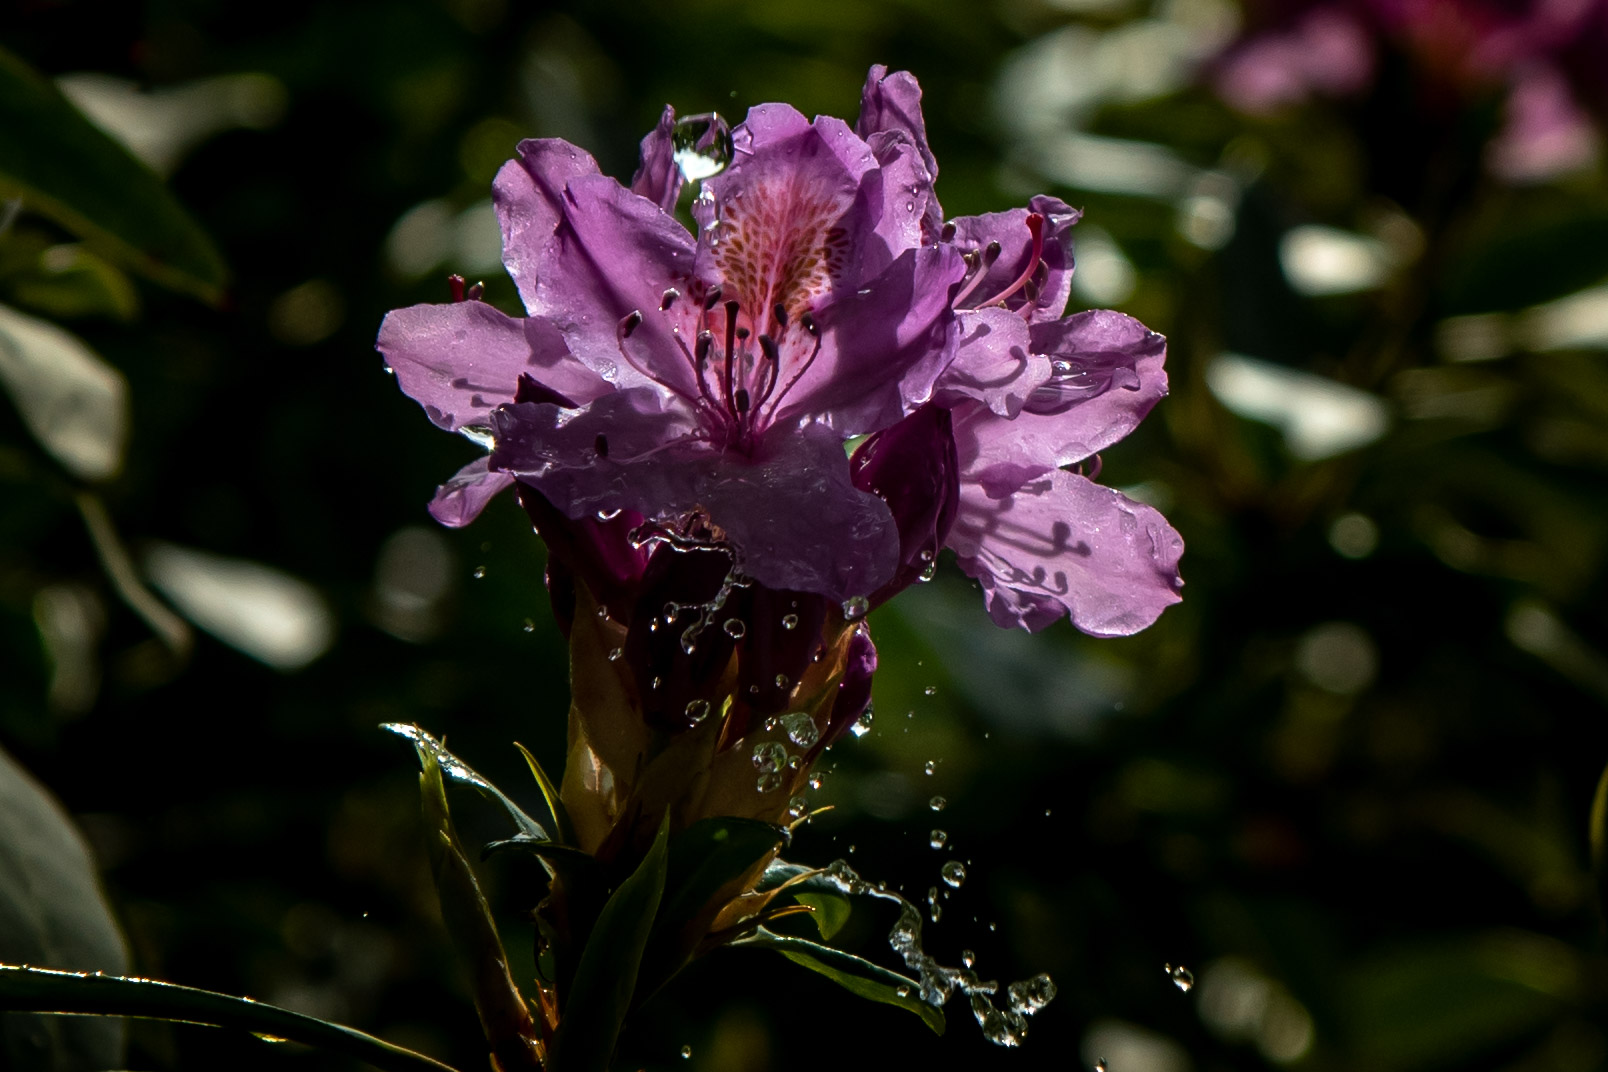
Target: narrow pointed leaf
(511,1030)
(457,770)
(43,990)
(606,977)
(555,806)
(852,973)
(62,166)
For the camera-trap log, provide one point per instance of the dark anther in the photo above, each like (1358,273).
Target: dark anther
(809,325)
(780,313)
(700,349)
(991,252)
(947,234)
(475,292)
(772,351)
(455,285)
(741,398)
(1030,289)
(601,445)
(712,298)
(669,299)
(629,323)
(742,333)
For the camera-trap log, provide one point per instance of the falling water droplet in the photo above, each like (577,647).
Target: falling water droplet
(769,756)
(702,145)
(934,909)
(615,653)
(1030,995)
(931,690)
(1100,1066)
(782,682)
(697,711)
(602,614)
(789,621)
(968,959)
(672,611)
(480,572)
(937,803)
(686,1051)
(530,626)
(1182,977)
(954,873)
(929,767)
(939,839)
(797,807)
(735,628)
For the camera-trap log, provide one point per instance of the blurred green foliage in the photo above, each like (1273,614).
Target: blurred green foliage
(1347,781)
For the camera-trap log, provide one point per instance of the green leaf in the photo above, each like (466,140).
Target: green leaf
(830,911)
(44,990)
(458,771)
(65,168)
(606,977)
(852,973)
(710,862)
(566,833)
(505,1017)
(52,913)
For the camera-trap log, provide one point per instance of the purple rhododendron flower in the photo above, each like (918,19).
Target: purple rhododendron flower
(702,384)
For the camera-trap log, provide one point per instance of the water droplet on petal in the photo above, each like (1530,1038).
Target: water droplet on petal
(615,653)
(782,682)
(862,725)
(530,626)
(937,803)
(769,756)
(797,807)
(855,608)
(702,145)
(769,783)
(789,621)
(954,873)
(602,614)
(939,839)
(735,628)
(697,711)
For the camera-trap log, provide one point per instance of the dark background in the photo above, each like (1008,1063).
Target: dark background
(1346,781)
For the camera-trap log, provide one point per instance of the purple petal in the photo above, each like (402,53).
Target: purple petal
(1051,278)
(460,500)
(891,103)
(528,193)
(882,346)
(912,467)
(994,363)
(614,254)
(1106,375)
(1065,546)
(791,510)
(854,689)
(459,361)
(658,177)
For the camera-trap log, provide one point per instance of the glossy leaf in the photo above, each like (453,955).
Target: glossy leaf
(52,913)
(45,990)
(555,806)
(64,167)
(516,1039)
(854,974)
(830,911)
(606,978)
(457,770)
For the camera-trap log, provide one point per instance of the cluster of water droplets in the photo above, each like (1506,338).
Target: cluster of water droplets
(1005,1026)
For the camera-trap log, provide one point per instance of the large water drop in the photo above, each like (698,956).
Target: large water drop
(702,145)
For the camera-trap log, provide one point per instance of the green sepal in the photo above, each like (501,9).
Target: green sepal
(606,976)
(854,974)
(510,1029)
(24,989)
(830,911)
(560,856)
(62,166)
(710,864)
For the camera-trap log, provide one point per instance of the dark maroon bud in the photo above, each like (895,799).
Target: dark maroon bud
(455,285)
